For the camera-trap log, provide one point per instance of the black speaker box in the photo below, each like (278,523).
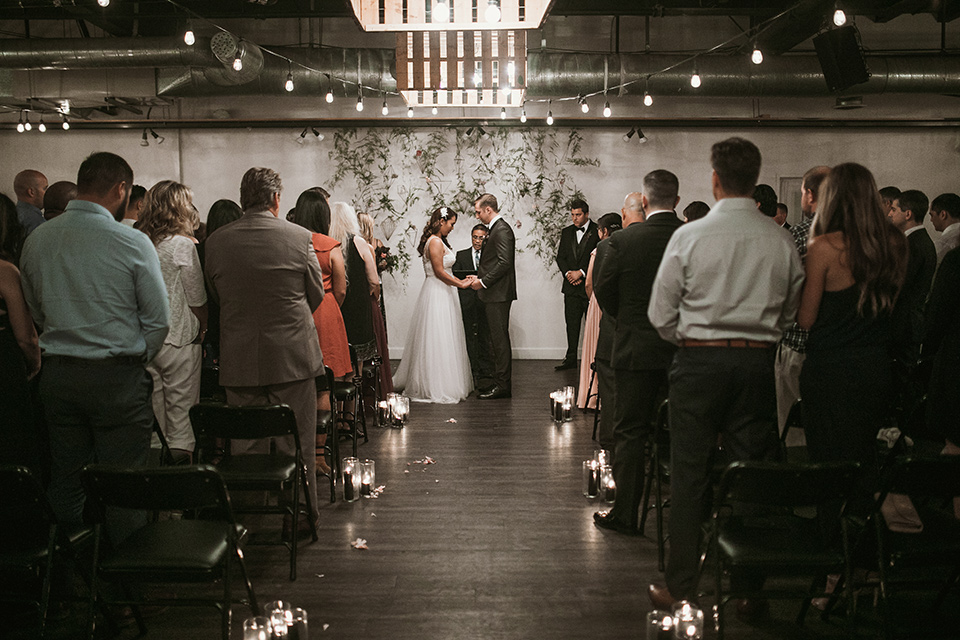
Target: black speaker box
(841,58)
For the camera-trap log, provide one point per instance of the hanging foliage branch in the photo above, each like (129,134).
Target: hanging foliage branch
(400,175)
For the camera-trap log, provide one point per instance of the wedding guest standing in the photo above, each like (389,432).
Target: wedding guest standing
(29,186)
(942,342)
(221,213)
(169,220)
(367,230)
(577,242)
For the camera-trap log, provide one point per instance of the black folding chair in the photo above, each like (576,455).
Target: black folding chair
(326,422)
(167,551)
(31,540)
(348,395)
(658,468)
(276,472)
(794,422)
(768,522)
(927,559)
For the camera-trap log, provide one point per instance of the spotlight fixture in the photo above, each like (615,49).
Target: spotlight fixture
(647,99)
(469,131)
(189,38)
(20,127)
(640,137)
(409,112)
(433,110)
(523,115)
(319,136)
(143,139)
(441,12)
(584,107)
(483,134)
(288,85)
(757,56)
(103,3)
(384,109)
(302,137)
(549,118)
(606,110)
(329,97)
(629,134)
(237,60)
(66,123)
(492,13)
(839,17)
(359,103)
(156,136)
(503,113)
(695,78)
(41,127)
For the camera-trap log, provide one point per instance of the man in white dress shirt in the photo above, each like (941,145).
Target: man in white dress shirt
(727,288)
(945,216)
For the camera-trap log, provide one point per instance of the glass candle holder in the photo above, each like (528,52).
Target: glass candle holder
(368,477)
(383,413)
(602,458)
(567,410)
(608,486)
(554,399)
(557,407)
(591,478)
(687,621)
(569,394)
(351,479)
(257,628)
(297,624)
(401,409)
(659,625)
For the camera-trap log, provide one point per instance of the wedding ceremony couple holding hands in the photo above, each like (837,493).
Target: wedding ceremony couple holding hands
(435,366)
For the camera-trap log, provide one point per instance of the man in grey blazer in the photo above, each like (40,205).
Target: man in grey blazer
(496,282)
(264,273)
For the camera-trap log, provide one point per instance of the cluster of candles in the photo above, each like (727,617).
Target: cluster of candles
(282,620)
(561,404)
(359,478)
(685,623)
(598,477)
(393,411)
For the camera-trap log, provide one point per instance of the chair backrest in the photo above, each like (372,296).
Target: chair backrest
(933,477)
(183,488)
(787,485)
(216,420)
(25,513)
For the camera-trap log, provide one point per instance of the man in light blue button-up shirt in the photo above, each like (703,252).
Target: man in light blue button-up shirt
(95,289)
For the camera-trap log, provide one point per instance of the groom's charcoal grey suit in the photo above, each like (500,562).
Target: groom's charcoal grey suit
(499,279)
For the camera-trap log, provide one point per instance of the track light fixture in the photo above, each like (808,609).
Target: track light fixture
(157,137)
(640,137)
(606,109)
(302,137)
(757,56)
(629,134)
(143,139)
(469,131)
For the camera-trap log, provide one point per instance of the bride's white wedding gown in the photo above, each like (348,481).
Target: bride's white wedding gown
(435,366)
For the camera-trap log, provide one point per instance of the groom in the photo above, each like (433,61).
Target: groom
(496,282)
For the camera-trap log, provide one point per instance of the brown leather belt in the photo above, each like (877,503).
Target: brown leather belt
(727,342)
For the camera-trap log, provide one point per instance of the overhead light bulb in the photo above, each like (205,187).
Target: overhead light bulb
(288,85)
(757,56)
(492,14)
(839,18)
(384,109)
(237,64)
(523,115)
(189,38)
(66,124)
(695,80)
(549,117)
(360,103)
(329,97)
(26,124)
(103,3)
(143,139)
(606,110)
(409,112)
(20,127)
(441,12)
(503,113)
(433,110)
(647,99)
(41,127)
(584,107)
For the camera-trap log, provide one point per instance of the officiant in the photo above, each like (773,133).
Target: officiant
(471,309)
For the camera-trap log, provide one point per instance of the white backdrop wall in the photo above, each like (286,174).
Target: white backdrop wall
(213,161)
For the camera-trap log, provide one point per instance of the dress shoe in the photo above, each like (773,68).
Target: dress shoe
(566,364)
(661,598)
(494,392)
(604,520)
(750,609)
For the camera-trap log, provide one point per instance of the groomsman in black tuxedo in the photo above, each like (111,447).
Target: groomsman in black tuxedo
(496,283)
(573,258)
(474,318)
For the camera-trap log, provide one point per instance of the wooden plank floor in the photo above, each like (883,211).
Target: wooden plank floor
(495,540)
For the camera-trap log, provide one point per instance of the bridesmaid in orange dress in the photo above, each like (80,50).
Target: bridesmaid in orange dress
(591,330)
(313,212)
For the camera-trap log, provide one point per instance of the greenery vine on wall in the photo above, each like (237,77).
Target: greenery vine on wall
(400,175)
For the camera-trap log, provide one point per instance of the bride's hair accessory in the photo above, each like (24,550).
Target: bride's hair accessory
(445,213)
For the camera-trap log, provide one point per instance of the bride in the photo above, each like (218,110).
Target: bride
(435,367)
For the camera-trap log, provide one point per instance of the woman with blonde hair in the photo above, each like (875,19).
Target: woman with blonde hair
(367,229)
(362,280)
(855,266)
(169,220)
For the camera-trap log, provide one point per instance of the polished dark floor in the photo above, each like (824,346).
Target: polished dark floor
(495,540)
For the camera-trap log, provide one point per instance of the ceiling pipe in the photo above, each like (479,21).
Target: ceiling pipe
(104,53)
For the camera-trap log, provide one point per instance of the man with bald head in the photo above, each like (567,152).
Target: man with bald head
(56,198)
(628,264)
(29,185)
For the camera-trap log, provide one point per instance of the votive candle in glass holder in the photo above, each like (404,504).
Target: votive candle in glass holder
(257,628)
(558,408)
(383,413)
(591,478)
(297,624)
(602,458)
(608,486)
(401,409)
(351,479)
(659,625)
(554,399)
(368,477)
(687,621)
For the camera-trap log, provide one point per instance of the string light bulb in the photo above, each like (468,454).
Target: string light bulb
(409,112)
(288,85)
(647,99)
(503,113)
(606,110)
(41,127)
(384,109)
(839,17)
(26,123)
(238,58)
(66,124)
(189,37)
(549,118)
(103,3)
(492,13)
(20,127)
(757,56)
(434,110)
(584,107)
(695,79)
(523,115)
(359,103)
(329,97)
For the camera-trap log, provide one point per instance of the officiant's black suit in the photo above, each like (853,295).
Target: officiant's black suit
(628,264)
(474,318)
(575,256)
(499,278)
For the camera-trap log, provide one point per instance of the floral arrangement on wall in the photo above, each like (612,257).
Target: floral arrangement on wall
(400,175)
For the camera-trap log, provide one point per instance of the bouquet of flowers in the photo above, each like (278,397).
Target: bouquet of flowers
(386,261)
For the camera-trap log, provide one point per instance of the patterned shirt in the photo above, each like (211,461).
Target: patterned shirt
(795,337)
